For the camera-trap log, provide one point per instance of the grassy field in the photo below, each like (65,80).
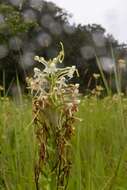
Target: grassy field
(99,146)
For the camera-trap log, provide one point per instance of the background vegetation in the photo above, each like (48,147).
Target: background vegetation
(30,27)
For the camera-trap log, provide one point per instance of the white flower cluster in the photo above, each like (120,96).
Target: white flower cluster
(51,85)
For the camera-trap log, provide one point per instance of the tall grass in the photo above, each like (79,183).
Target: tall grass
(17,146)
(99,146)
(103,144)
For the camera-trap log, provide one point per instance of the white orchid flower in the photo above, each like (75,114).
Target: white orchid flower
(50,69)
(71,71)
(37,72)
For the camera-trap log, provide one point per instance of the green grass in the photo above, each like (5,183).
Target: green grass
(99,146)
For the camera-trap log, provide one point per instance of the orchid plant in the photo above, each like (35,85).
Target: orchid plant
(55,101)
